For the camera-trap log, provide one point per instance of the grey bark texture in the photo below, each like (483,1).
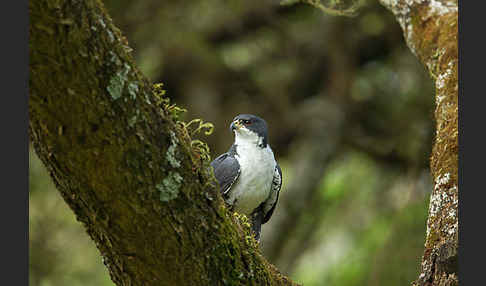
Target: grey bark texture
(430,31)
(124,163)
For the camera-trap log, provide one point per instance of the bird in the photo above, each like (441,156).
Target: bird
(249,177)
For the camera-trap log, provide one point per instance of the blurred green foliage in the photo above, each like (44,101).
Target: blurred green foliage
(366,224)
(374,242)
(60,251)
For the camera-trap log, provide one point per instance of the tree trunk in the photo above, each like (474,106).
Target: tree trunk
(124,163)
(430,30)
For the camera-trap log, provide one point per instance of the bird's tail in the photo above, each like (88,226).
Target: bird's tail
(256,223)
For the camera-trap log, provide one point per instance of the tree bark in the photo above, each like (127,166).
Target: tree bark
(123,162)
(430,31)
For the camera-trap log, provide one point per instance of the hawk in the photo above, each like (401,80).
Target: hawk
(248,174)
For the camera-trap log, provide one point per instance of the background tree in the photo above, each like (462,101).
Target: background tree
(346,92)
(430,30)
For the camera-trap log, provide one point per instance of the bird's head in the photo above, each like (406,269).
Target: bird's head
(250,128)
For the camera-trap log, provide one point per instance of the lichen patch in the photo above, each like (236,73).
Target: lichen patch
(170,186)
(117,82)
(442,78)
(443,199)
(439,8)
(171,152)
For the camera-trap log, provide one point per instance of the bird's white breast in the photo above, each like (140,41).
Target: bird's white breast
(257,166)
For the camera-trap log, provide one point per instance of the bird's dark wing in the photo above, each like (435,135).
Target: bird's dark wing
(271,202)
(226,170)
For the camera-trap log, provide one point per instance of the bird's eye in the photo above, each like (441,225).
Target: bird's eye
(248,122)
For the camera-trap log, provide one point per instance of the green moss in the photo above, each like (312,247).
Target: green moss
(133,119)
(172,110)
(243,219)
(199,150)
(201,125)
(170,186)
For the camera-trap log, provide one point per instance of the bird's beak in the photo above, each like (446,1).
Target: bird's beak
(235,125)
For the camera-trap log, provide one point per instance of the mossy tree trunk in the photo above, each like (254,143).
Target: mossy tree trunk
(122,161)
(430,30)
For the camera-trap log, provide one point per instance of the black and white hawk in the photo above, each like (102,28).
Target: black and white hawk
(248,174)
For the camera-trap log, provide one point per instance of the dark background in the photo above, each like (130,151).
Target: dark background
(350,111)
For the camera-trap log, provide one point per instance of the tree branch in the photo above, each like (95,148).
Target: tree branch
(430,30)
(122,161)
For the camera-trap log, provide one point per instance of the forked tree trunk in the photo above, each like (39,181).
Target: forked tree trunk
(127,169)
(123,163)
(430,30)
